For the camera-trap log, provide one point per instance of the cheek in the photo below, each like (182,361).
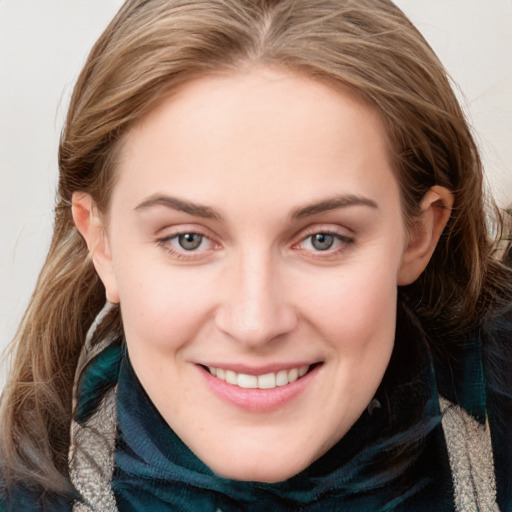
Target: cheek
(162,307)
(356,304)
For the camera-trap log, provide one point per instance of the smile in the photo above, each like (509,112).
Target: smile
(267,381)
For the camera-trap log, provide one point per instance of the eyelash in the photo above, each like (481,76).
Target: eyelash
(344,243)
(183,254)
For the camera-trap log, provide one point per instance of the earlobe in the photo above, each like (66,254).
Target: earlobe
(436,207)
(89,223)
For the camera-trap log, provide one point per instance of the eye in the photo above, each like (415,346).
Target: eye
(187,245)
(322,241)
(189,241)
(325,241)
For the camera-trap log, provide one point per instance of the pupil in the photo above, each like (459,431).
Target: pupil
(322,241)
(190,241)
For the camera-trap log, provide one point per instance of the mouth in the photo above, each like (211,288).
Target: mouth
(260,390)
(269,380)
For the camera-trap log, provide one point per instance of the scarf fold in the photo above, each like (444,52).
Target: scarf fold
(394,459)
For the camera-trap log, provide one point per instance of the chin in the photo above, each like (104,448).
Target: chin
(269,468)
(264,473)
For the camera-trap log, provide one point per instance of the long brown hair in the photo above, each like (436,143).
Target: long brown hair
(153,46)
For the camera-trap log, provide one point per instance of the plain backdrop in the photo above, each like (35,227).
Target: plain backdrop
(43,45)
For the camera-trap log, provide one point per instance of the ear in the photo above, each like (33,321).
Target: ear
(436,208)
(89,223)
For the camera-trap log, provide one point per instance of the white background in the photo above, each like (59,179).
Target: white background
(43,45)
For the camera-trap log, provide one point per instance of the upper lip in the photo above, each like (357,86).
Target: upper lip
(258,370)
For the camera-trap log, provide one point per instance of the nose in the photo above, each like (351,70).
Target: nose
(254,309)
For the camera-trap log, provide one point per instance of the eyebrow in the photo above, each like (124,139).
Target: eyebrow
(333,203)
(206,212)
(181,205)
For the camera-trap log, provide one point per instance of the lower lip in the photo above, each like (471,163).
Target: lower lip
(259,400)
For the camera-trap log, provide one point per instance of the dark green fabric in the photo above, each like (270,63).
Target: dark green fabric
(22,499)
(100,375)
(496,336)
(460,375)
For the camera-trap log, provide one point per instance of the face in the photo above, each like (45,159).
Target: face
(254,242)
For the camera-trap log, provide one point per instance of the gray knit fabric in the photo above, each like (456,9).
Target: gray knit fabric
(471,460)
(92,446)
(91,458)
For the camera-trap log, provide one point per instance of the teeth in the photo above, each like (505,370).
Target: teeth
(231,377)
(293,375)
(267,381)
(247,381)
(282,378)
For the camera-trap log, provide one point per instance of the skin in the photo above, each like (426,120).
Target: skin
(255,150)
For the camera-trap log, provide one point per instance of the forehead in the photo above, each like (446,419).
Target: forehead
(259,133)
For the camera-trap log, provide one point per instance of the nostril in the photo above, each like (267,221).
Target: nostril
(254,326)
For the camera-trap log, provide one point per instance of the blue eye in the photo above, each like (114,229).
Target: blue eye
(188,245)
(189,241)
(325,241)
(322,241)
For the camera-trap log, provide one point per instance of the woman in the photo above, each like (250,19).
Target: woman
(281,203)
